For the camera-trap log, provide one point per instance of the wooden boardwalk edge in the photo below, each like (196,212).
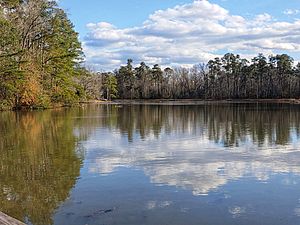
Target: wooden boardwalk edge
(7,220)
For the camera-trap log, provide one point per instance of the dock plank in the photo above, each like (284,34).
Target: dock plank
(7,220)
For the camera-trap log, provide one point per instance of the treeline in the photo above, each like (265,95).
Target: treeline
(229,77)
(39,55)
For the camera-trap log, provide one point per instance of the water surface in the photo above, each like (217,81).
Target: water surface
(152,164)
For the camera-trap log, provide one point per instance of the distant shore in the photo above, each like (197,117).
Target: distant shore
(190,101)
(162,102)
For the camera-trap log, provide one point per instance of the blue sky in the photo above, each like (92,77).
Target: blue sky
(119,12)
(125,23)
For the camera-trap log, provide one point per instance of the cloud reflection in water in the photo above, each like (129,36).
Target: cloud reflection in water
(187,157)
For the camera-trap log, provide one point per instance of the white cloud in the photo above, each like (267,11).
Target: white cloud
(189,34)
(291,12)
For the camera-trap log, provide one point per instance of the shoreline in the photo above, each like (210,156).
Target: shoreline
(192,101)
(162,102)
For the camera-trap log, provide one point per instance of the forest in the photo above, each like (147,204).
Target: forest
(40,55)
(41,66)
(228,77)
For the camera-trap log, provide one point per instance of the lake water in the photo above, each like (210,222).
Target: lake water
(152,164)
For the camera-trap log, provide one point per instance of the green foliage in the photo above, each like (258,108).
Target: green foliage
(126,78)
(229,77)
(39,55)
(110,84)
(10,73)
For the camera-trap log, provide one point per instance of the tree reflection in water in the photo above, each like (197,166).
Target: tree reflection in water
(201,147)
(228,124)
(39,163)
(195,147)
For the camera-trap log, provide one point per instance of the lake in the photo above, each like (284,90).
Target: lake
(205,164)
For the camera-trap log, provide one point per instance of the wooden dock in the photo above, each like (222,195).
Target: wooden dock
(7,220)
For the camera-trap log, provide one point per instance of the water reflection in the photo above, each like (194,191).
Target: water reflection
(229,125)
(152,164)
(39,163)
(198,148)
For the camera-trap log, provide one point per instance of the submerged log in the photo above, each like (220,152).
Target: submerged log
(7,220)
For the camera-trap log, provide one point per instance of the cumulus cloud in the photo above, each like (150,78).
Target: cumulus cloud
(188,34)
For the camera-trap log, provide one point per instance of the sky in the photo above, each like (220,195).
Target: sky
(182,32)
